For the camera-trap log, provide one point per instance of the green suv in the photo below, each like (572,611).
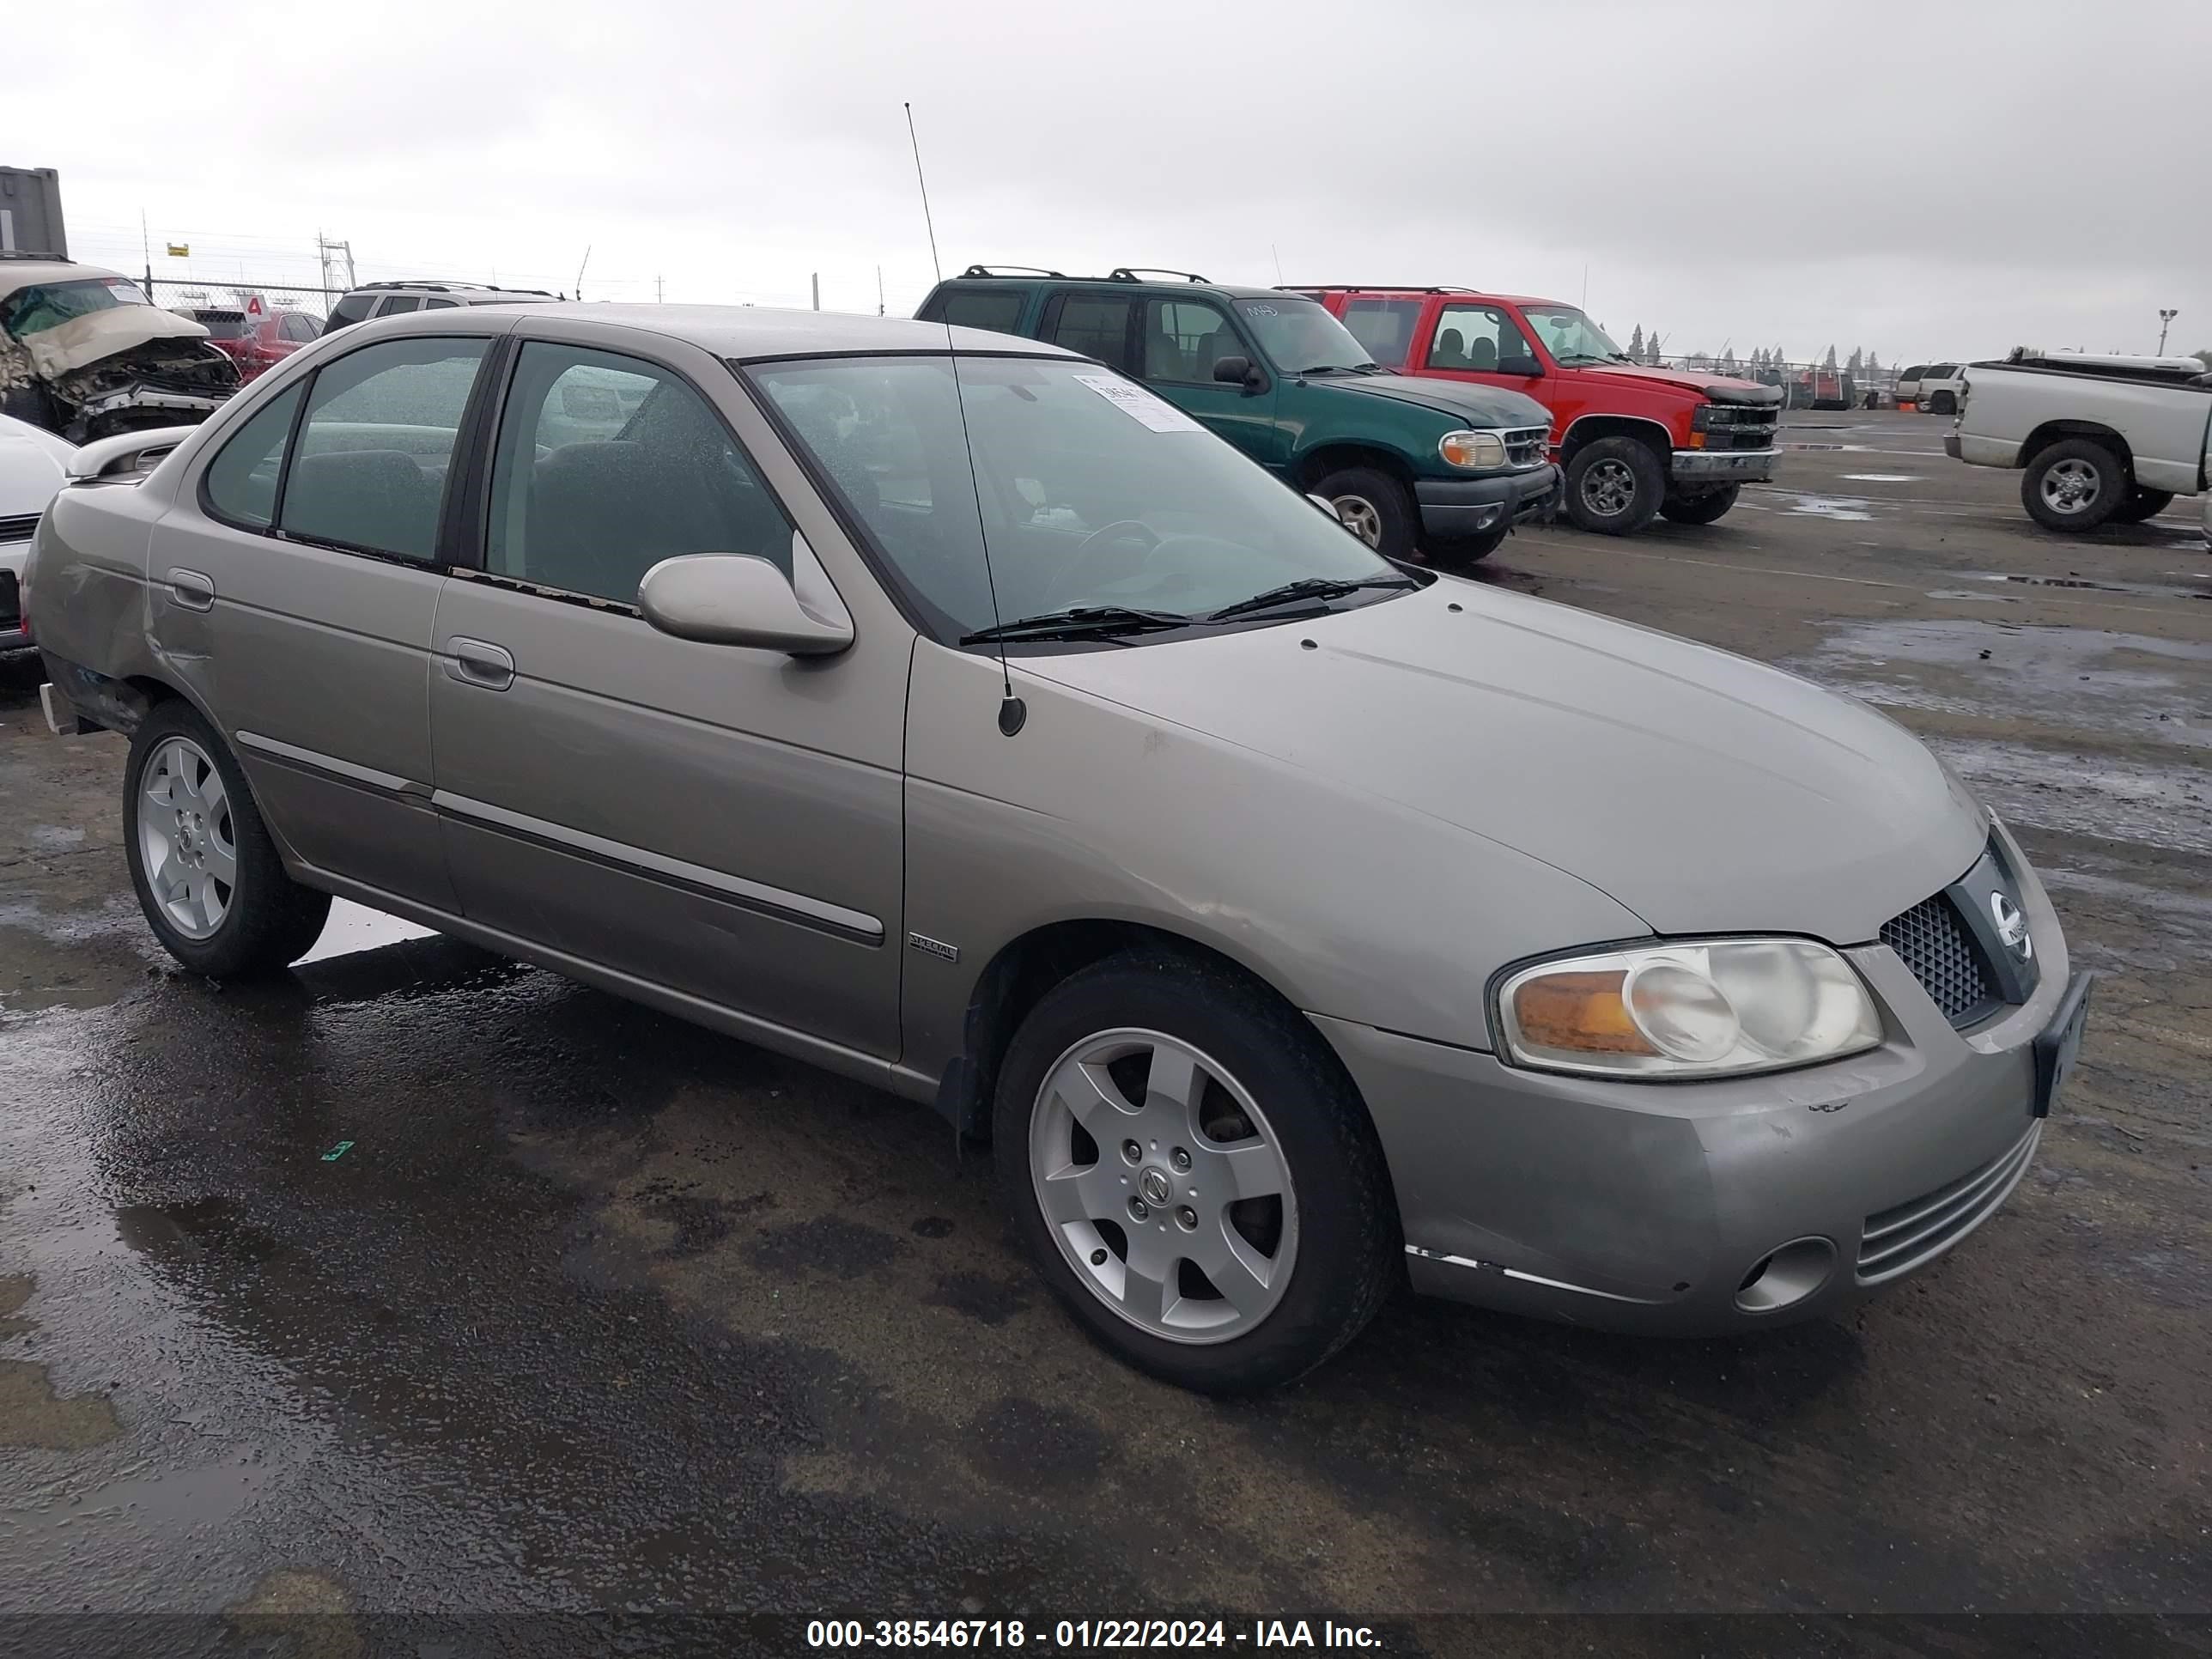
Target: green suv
(1405,463)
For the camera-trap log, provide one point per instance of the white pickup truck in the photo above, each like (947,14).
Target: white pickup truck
(2103,439)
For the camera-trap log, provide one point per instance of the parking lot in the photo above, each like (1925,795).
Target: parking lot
(421,1281)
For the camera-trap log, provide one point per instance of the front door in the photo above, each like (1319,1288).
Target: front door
(295,589)
(1180,342)
(714,820)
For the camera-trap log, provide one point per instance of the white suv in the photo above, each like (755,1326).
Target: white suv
(1942,388)
(388,299)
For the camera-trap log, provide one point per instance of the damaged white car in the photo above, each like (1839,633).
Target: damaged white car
(84,352)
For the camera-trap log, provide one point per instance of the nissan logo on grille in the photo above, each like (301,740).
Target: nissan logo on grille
(2012,926)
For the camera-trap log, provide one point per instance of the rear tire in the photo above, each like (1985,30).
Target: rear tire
(1943,403)
(1374,506)
(1459,552)
(1704,507)
(2073,486)
(225,907)
(1614,486)
(2142,504)
(1179,1058)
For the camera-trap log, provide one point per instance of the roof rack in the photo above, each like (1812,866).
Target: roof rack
(1137,273)
(1011,270)
(452,288)
(32,253)
(1373,287)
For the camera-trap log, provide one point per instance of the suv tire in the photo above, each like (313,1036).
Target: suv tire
(1614,486)
(1943,403)
(2074,485)
(1374,506)
(1704,507)
(227,909)
(2142,504)
(1267,1084)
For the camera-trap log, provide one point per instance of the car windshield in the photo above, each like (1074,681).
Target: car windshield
(1571,338)
(1094,493)
(46,305)
(1300,337)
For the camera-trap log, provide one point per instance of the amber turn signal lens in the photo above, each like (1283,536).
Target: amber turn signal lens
(1578,1012)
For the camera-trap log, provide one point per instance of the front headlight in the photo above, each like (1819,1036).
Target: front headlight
(1472,449)
(1694,1008)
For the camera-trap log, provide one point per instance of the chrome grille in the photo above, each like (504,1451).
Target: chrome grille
(19,528)
(1934,942)
(1900,1239)
(1525,446)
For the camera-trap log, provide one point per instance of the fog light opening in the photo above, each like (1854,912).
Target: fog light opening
(1786,1276)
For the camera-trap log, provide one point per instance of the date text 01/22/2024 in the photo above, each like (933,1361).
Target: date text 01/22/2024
(1086,1634)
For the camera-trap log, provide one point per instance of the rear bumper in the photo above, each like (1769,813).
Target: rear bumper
(1454,507)
(1704,466)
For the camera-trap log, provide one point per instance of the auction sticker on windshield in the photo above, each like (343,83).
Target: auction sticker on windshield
(1140,405)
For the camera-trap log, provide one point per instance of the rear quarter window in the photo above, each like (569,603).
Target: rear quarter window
(998,311)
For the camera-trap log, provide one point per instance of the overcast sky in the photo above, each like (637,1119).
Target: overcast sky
(1945,177)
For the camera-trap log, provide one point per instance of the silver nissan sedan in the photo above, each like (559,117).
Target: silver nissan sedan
(947,710)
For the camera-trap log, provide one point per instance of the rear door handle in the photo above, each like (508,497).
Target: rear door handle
(193,590)
(479,663)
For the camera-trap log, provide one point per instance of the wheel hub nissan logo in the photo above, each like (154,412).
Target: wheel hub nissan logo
(1153,1184)
(2012,926)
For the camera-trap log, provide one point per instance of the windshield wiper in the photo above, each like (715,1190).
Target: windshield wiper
(1100,622)
(1331,368)
(1306,587)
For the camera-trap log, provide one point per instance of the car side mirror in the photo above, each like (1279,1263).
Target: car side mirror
(1238,371)
(1525,365)
(740,598)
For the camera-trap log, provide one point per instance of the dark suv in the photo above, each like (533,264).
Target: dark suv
(1405,463)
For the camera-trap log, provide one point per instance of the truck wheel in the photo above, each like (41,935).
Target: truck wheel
(2074,486)
(1704,507)
(1614,486)
(207,875)
(1458,552)
(1373,506)
(1194,1175)
(1943,403)
(2142,504)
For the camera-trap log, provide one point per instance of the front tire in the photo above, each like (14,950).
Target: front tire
(1614,486)
(1253,1232)
(206,872)
(1374,506)
(2142,504)
(1704,507)
(2074,486)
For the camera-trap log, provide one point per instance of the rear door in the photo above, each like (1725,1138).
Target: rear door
(717,821)
(298,580)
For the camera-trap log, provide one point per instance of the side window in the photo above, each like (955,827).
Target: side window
(377,443)
(439,305)
(997,309)
(1096,324)
(395,303)
(354,308)
(605,465)
(240,486)
(1385,327)
(1942,372)
(1474,338)
(297,328)
(1184,338)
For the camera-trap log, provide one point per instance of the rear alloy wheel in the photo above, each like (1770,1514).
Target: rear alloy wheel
(206,874)
(2142,504)
(1194,1173)
(1704,507)
(1614,486)
(1373,506)
(2074,486)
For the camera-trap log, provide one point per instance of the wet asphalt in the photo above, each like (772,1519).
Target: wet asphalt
(422,1284)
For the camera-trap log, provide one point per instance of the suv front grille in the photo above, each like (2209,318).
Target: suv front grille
(1933,942)
(19,528)
(11,602)
(1525,446)
(1742,425)
(1897,1239)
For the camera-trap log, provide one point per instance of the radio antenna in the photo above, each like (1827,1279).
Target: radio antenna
(1012,710)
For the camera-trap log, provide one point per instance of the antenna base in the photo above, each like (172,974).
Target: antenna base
(1012,714)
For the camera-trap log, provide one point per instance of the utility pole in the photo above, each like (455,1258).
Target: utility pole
(880,290)
(818,290)
(659,298)
(328,251)
(2165,316)
(580,269)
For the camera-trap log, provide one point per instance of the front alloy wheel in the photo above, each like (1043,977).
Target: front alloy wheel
(1163,1186)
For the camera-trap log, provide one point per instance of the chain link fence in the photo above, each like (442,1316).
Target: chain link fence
(176,293)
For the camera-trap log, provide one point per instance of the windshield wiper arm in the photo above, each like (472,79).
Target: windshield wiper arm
(1080,622)
(1306,587)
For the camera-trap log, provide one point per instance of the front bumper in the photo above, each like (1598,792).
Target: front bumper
(1951,446)
(1649,1207)
(1722,466)
(1453,508)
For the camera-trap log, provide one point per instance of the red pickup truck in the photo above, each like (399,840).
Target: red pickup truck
(1636,440)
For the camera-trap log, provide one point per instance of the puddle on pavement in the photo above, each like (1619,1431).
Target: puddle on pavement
(2168,807)
(354,928)
(1881,477)
(2099,584)
(1848,509)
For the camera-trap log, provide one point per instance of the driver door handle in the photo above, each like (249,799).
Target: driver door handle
(478,663)
(190,589)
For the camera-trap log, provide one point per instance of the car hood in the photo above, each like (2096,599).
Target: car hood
(1703,792)
(1477,405)
(1719,388)
(32,466)
(55,351)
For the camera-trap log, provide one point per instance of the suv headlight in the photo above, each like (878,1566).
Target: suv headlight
(1472,449)
(1688,1009)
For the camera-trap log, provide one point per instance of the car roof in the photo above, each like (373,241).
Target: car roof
(29,273)
(1415,291)
(1117,284)
(743,332)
